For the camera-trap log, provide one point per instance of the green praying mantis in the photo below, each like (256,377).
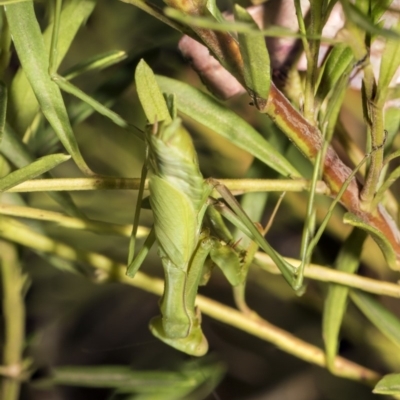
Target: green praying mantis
(181,201)
(179,197)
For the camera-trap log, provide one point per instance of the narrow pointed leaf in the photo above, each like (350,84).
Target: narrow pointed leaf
(381,317)
(225,26)
(14,149)
(33,170)
(389,385)
(340,59)
(7,2)
(150,95)
(157,12)
(204,109)
(32,54)
(23,104)
(389,65)
(257,72)
(96,105)
(19,155)
(355,15)
(3,109)
(170,384)
(212,8)
(378,236)
(378,8)
(336,300)
(97,63)
(114,376)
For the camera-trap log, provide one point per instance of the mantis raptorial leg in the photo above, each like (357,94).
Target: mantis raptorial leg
(288,270)
(239,291)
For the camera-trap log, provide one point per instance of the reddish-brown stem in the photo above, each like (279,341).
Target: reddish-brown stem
(302,133)
(309,140)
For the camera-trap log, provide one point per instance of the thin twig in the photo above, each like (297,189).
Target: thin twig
(324,274)
(237,186)
(14,322)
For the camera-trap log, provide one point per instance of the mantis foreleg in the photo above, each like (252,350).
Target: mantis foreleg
(288,270)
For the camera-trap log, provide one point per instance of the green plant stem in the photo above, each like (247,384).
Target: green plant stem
(54,37)
(324,274)
(313,271)
(325,221)
(224,26)
(70,222)
(375,119)
(111,270)
(392,178)
(309,50)
(14,322)
(309,224)
(237,186)
(309,140)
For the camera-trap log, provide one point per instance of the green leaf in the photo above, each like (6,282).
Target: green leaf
(7,2)
(31,171)
(14,149)
(116,377)
(392,124)
(158,13)
(3,108)
(227,26)
(389,384)
(333,86)
(381,317)
(257,72)
(364,22)
(31,51)
(378,8)
(96,63)
(212,8)
(336,300)
(19,155)
(204,109)
(92,102)
(150,95)
(200,376)
(389,65)
(23,104)
(377,235)
(339,61)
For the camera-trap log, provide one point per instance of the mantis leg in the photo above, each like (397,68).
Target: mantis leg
(137,261)
(224,255)
(243,222)
(232,258)
(134,263)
